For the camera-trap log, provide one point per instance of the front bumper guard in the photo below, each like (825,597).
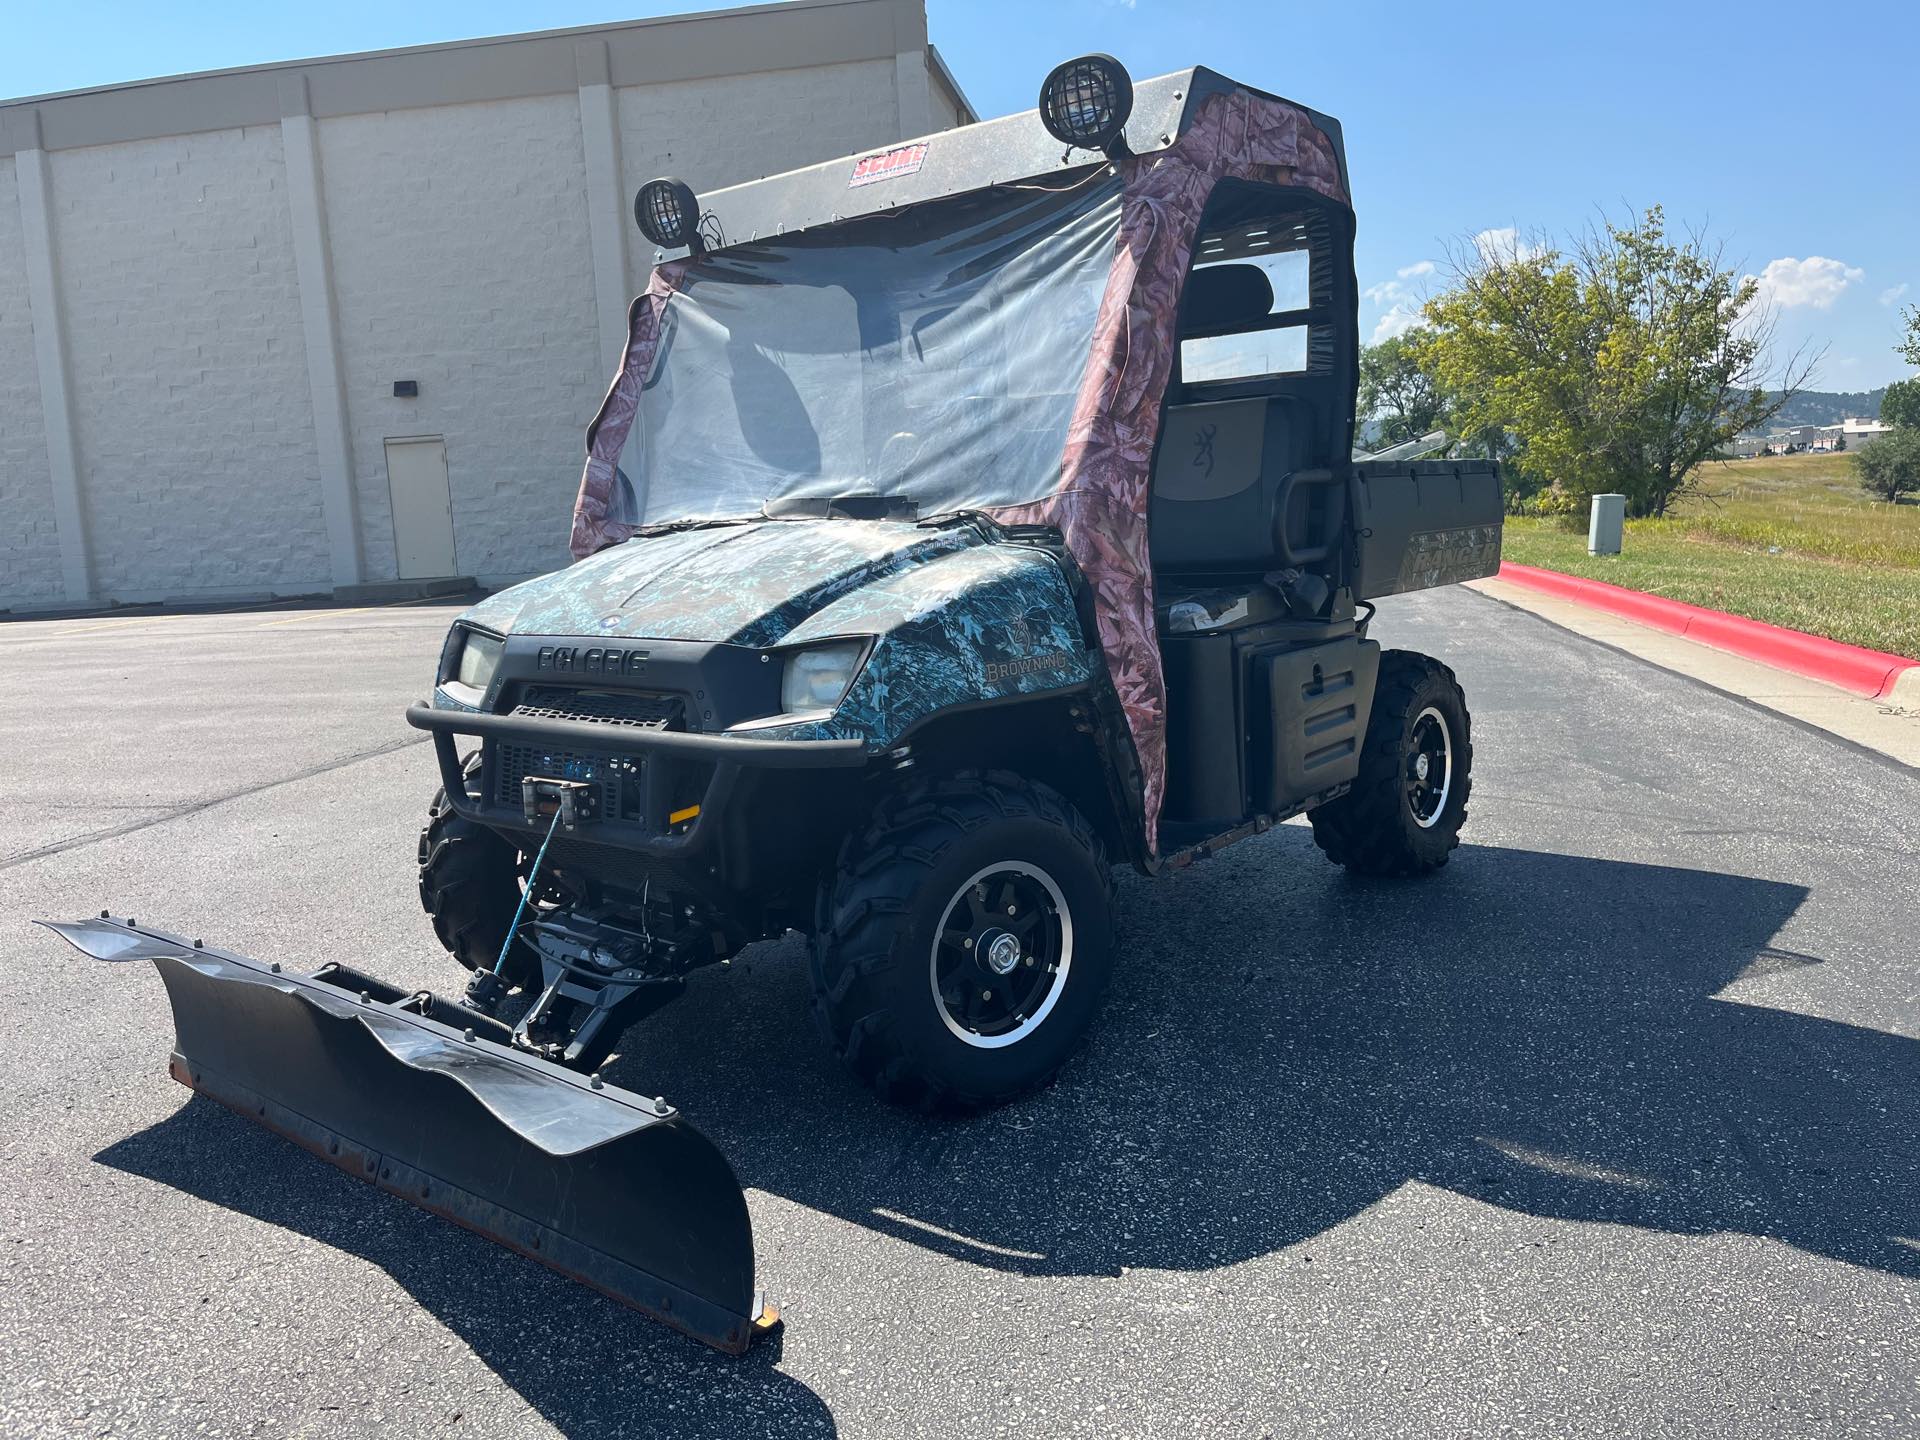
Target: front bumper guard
(729,755)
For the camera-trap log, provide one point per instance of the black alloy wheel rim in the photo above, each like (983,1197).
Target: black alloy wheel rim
(1428,775)
(1001,955)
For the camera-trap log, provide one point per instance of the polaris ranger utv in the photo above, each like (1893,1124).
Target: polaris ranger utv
(963,519)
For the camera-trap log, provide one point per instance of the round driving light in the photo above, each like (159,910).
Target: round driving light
(667,213)
(1086,102)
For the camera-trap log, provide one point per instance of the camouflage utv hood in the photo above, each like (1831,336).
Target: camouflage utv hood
(1099,502)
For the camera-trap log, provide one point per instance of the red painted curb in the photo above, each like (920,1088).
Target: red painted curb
(1848,667)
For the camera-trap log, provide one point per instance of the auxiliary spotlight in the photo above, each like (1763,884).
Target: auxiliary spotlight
(668,214)
(1086,102)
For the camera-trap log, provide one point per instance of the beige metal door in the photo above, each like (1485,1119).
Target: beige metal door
(422,507)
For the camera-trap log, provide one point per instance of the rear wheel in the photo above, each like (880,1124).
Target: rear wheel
(1404,813)
(469,887)
(963,947)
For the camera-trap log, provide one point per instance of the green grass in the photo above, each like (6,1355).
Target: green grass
(1805,505)
(1791,540)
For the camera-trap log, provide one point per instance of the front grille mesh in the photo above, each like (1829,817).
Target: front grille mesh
(617,778)
(604,707)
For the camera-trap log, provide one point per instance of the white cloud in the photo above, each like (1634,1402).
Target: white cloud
(1396,291)
(1397,321)
(1400,300)
(1507,237)
(1893,293)
(1788,284)
(1504,245)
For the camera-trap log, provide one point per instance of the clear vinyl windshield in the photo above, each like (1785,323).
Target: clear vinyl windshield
(928,357)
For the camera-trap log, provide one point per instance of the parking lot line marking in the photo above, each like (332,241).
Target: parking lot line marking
(318,615)
(356,610)
(96,629)
(166,814)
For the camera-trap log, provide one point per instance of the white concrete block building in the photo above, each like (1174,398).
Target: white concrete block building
(328,324)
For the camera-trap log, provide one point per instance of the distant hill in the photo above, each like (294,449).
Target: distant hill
(1809,407)
(1830,407)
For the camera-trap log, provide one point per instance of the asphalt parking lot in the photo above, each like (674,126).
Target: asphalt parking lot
(1612,1127)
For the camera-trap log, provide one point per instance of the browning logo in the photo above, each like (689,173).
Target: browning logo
(998,670)
(1021,640)
(1203,449)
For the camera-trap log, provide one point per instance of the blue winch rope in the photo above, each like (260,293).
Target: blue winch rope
(521,908)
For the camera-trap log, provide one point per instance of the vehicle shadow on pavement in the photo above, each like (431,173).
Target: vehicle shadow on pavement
(590,1366)
(1285,1045)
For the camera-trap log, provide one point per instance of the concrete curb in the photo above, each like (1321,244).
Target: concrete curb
(1873,674)
(382,592)
(1905,689)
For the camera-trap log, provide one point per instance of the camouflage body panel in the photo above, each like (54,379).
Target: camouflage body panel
(745,584)
(957,617)
(1448,557)
(984,623)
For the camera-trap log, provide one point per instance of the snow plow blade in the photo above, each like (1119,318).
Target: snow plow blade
(424,1099)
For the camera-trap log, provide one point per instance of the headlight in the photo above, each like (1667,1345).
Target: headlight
(479,658)
(816,679)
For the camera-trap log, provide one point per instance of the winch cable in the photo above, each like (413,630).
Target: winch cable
(521,909)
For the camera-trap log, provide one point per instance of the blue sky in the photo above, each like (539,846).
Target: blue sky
(1788,134)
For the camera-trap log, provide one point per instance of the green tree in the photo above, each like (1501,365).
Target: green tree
(1901,404)
(1619,365)
(1890,466)
(1398,388)
(1401,392)
(1840,441)
(1910,345)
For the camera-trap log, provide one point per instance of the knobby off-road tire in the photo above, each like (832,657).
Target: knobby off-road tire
(952,881)
(1402,817)
(469,886)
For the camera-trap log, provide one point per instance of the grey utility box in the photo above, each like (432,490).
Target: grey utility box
(1607,524)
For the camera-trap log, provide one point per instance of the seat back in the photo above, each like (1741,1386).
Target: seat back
(1218,476)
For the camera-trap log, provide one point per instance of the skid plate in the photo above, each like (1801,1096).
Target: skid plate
(607,1187)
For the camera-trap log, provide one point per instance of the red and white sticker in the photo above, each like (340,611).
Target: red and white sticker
(888,164)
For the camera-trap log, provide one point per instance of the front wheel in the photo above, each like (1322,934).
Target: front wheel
(964,944)
(469,887)
(1404,812)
